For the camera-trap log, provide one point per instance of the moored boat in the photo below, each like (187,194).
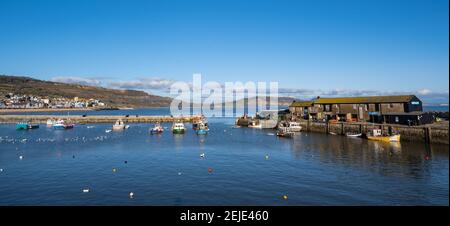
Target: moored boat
(290,126)
(284,132)
(157,129)
(202,128)
(22,126)
(61,124)
(353,134)
(377,135)
(119,125)
(26,125)
(178,128)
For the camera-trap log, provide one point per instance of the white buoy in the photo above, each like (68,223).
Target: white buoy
(267,156)
(21,157)
(1,170)
(202,155)
(86,190)
(179,173)
(131,195)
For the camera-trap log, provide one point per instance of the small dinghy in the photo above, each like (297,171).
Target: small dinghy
(353,134)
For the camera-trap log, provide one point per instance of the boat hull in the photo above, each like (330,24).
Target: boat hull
(33,126)
(354,135)
(62,126)
(59,126)
(395,138)
(178,131)
(201,132)
(21,126)
(156,131)
(118,127)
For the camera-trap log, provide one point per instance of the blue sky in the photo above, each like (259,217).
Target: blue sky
(310,47)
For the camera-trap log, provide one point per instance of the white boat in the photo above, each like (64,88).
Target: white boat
(353,134)
(178,127)
(119,125)
(290,126)
(50,122)
(157,129)
(294,127)
(60,124)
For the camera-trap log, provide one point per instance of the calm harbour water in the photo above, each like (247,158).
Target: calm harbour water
(166,169)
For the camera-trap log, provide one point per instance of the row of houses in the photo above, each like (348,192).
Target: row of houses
(404,109)
(14,101)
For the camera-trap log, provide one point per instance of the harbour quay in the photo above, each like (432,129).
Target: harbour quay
(80,119)
(432,134)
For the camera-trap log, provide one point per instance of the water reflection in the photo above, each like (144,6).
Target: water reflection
(389,159)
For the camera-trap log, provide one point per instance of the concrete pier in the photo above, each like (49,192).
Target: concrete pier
(432,134)
(94,118)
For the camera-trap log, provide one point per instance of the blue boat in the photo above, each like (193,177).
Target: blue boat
(26,126)
(22,126)
(202,128)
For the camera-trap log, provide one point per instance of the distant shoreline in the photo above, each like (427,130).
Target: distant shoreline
(18,110)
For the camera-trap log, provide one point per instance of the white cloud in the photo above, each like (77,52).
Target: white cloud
(77,80)
(143,83)
(424,92)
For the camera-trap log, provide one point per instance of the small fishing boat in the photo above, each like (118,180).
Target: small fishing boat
(26,125)
(119,125)
(157,129)
(353,134)
(22,126)
(178,128)
(198,121)
(377,135)
(202,129)
(61,124)
(333,133)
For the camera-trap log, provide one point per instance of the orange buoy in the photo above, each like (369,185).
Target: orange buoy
(210,170)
